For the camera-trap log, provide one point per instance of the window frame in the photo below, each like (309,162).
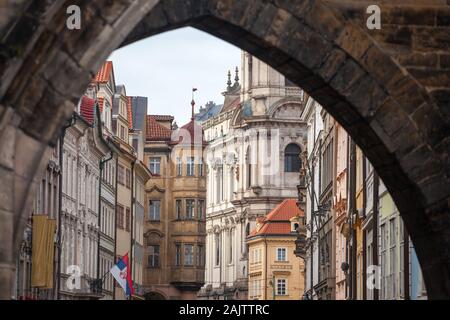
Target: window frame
(151,214)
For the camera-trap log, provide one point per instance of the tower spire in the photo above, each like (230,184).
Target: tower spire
(229,80)
(236,78)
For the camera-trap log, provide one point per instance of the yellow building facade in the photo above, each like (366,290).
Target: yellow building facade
(275,273)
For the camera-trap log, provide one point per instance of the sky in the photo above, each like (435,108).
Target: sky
(167,66)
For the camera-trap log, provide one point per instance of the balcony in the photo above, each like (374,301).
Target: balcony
(187,278)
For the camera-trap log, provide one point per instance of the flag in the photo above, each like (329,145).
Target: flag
(194,89)
(120,272)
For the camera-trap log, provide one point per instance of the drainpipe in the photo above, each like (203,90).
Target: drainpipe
(376,184)
(352,210)
(132,210)
(364,255)
(101,166)
(115,224)
(72,122)
(406,263)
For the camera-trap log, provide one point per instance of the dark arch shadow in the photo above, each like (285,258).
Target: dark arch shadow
(339,64)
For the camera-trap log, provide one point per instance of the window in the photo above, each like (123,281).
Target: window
(200,209)
(178,209)
(153,256)
(122,132)
(292,162)
(190,166)
(154,210)
(383,260)
(200,256)
(179,166)
(217,247)
(127,219)
(155,165)
(230,245)
(281,254)
(120,217)
(189,208)
(188,254)
(128,178)
(231,197)
(121,175)
(281,287)
(327,166)
(178,254)
(392,258)
(200,167)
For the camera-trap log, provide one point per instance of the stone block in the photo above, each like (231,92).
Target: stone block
(347,77)
(6,235)
(7,147)
(264,20)
(332,63)
(6,189)
(431,77)
(354,41)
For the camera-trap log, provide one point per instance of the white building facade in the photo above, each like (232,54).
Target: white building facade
(82,151)
(253,164)
(314,123)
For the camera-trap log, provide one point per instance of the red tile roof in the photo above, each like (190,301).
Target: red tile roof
(104,73)
(162,117)
(277,222)
(87,106)
(193,130)
(156,131)
(130,115)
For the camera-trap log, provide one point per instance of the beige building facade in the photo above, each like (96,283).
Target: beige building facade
(175,216)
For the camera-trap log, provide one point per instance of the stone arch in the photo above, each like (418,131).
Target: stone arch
(155,295)
(389,110)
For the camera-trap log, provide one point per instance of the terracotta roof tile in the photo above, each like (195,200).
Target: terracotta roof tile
(104,73)
(278,220)
(156,131)
(87,106)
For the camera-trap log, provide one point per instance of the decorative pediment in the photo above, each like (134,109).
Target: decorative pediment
(157,188)
(153,236)
(287,108)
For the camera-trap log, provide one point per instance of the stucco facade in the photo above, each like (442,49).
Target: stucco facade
(275,273)
(175,217)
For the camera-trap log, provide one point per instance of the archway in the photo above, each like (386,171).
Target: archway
(153,295)
(389,108)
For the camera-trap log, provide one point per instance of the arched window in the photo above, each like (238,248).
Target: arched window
(292,162)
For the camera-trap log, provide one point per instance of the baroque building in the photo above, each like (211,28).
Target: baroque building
(175,220)
(254,144)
